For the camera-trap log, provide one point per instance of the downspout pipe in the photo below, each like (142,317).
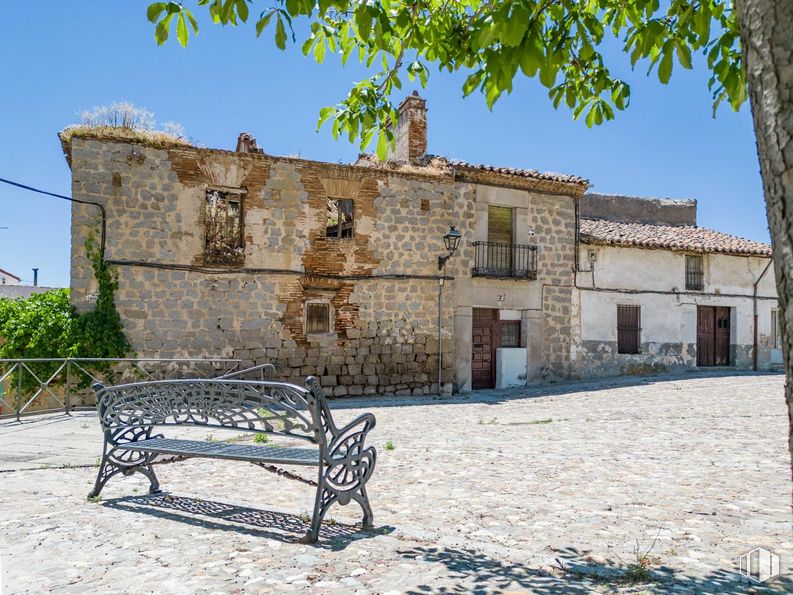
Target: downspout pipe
(754,307)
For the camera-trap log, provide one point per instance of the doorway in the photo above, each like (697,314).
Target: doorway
(713,336)
(483,348)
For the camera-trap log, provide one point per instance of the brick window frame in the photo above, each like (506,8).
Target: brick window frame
(224,226)
(340,218)
(318,318)
(629,328)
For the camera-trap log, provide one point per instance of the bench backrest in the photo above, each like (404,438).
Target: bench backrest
(248,405)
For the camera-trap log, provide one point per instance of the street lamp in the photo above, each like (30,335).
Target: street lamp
(451,240)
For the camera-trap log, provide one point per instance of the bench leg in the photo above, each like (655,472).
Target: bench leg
(111,465)
(330,493)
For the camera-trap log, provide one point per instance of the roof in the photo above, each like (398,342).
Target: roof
(686,238)
(6,273)
(521,173)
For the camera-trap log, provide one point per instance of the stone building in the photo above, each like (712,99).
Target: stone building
(656,293)
(332,269)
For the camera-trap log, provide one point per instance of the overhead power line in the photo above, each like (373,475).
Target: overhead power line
(70,199)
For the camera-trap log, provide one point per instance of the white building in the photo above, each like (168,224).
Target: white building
(7,278)
(657,293)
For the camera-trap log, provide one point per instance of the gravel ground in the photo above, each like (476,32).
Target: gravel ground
(541,490)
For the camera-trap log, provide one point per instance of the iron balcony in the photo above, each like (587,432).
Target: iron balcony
(505,261)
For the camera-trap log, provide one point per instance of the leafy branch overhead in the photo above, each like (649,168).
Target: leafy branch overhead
(558,42)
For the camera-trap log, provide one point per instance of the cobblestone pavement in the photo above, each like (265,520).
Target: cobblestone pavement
(543,490)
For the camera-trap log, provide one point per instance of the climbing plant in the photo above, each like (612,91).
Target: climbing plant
(46,325)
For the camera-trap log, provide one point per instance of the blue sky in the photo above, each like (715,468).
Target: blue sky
(59,58)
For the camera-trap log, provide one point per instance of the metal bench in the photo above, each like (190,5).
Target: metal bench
(129,412)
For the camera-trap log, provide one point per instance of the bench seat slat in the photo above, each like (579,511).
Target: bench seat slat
(222,450)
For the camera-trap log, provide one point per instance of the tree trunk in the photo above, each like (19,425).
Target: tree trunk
(767,41)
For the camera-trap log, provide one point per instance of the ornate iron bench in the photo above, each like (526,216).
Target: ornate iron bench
(129,412)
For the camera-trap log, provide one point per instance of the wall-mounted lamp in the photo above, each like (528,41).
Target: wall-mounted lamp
(451,240)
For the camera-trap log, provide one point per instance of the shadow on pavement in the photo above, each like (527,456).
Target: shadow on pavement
(474,572)
(284,527)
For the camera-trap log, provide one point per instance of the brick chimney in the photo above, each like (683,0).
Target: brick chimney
(411,130)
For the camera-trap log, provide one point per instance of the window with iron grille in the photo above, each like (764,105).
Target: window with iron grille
(695,273)
(317,318)
(223,223)
(510,333)
(628,329)
(341,218)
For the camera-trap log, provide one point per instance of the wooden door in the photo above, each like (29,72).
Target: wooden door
(483,352)
(722,339)
(706,336)
(713,336)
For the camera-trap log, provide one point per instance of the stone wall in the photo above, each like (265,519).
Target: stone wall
(637,209)
(381,285)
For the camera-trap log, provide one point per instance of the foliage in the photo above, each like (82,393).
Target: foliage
(46,325)
(100,333)
(37,327)
(558,42)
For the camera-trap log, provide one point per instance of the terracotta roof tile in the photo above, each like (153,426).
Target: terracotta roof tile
(523,173)
(684,238)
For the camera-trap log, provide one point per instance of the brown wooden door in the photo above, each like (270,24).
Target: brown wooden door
(483,352)
(713,336)
(722,342)
(706,336)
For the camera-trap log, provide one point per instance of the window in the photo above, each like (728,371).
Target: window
(223,222)
(628,329)
(341,213)
(510,333)
(317,318)
(776,330)
(695,273)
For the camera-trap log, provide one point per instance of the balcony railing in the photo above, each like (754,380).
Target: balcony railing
(514,261)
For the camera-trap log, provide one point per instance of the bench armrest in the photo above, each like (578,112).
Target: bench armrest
(348,440)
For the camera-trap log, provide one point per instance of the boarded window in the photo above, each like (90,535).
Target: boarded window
(223,223)
(499,224)
(341,218)
(317,318)
(776,330)
(628,329)
(510,333)
(695,273)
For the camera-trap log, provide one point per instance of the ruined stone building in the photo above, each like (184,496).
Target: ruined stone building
(332,269)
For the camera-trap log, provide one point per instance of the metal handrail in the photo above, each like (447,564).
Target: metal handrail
(267,372)
(72,372)
(502,260)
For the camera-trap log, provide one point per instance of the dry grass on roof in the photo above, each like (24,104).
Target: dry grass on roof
(152,138)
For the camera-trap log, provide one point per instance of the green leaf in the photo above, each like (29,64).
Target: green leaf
(665,68)
(162,29)
(324,114)
(683,54)
(155,10)
(262,23)
(319,51)
(181,30)
(382,146)
(242,10)
(280,34)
